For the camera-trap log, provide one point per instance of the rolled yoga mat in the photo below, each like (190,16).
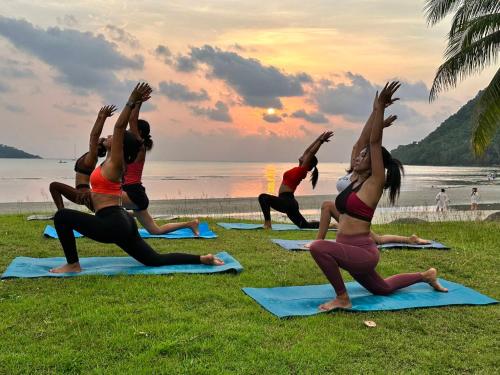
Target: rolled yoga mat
(305,300)
(24,267)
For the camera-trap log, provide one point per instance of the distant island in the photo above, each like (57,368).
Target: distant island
(8,152)
(450,144)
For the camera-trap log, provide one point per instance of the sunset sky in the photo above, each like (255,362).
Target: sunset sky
(232,80)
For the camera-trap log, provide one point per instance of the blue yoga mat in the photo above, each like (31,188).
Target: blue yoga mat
(247,226)
(304,300)
(39,267)
(296,245)
(205,232)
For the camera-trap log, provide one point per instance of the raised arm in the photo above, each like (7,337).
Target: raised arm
(95,134)
(114,168)
(314,147)
(134,116)
(382,101)
(364,137)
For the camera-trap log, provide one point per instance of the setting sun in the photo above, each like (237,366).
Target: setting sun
(271,111)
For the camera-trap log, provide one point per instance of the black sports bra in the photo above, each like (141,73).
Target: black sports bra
(79,169)
(348,202)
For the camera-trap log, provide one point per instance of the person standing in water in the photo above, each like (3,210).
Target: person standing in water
(442,201)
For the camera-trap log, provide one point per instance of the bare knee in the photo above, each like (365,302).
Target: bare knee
(327,206)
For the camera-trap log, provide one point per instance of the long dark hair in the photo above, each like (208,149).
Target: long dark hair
(131,147)
(395,171)
(315,173)
(144,132)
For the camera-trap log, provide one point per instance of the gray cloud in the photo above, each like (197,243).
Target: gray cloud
(122,36)
(74,108)
(314,117)
(4,87)
(179,92)
(354,100)
(304,78)
(84,61)
(68,20)
(16,72)
(219,113)
(14,108)
(164,54)
(274,118)
(258,85)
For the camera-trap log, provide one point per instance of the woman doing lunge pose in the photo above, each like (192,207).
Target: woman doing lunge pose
(80,194)
(354,249)
(286,201)
(134,193)
(328,209)
(111,223)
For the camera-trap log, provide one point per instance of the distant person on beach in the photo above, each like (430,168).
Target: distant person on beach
(474,199)
(354,249)
(111,223)
(134,194)
(328,208)
(285,202)
(442,201)
(80,194)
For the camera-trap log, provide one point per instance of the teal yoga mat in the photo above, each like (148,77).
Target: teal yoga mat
(24,267)
(247,226)
(297,245)
(205,232)
(304,300)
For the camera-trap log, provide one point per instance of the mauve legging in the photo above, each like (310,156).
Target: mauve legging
(358,255)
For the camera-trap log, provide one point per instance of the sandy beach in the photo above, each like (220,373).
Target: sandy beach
(419,204)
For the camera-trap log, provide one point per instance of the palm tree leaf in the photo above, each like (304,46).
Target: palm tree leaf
(472,9)
(436,10)
(473,31)
(488,119)
(472,59)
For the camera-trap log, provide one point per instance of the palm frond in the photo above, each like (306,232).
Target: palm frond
(472,9)
(488,120)
(473,31)
(436,10)
(472,59)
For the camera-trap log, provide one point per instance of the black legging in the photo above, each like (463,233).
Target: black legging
(112,225)
(287,204)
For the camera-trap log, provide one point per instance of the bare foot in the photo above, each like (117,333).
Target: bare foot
(267,225)
(337,303)
(416,240)
(430,277)
(308,245)
(210,260)
(333,226)
(194,227)
(74,267)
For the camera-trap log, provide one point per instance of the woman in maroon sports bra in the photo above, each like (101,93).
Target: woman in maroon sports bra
(354,249)
(286,201)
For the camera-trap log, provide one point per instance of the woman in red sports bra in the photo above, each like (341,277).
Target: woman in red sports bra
(111,223)
(354,249)
(134,193)
(80,194)
(286,201)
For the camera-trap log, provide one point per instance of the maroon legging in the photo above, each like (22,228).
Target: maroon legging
(358,255)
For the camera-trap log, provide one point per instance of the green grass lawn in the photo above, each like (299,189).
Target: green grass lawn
(200,324)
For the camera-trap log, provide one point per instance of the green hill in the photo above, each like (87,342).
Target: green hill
(14,153)
(450,143)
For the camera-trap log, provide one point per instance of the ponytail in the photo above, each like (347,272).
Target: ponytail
(314,177)
(395,171)
(144,132)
